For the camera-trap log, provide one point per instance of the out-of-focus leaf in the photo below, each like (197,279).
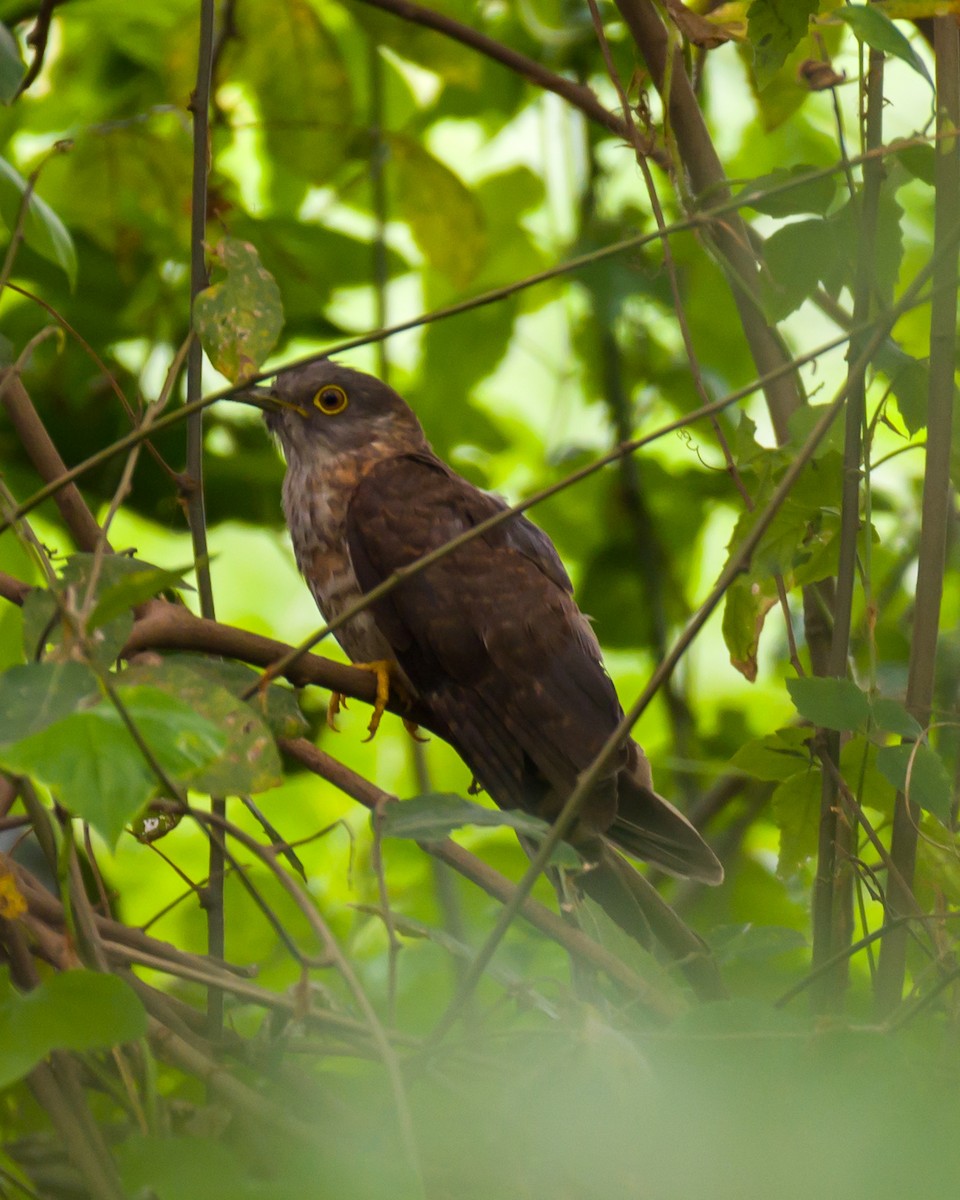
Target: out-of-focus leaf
(918,771)
(874,27)
(444,217)
(12,69)
(745,609)
(830,703)
(776,756)
(72,1010)
(239,317)
(98,771)
(909,381)
(789,191)
(891,716)
(187,1168)
(40,694)
(247,759)
(796,809)
(918,158)
(433,816)
(276,704)
(796,256)
(774,27)
(127,189)
(134,588)
(300,83)
(42,229)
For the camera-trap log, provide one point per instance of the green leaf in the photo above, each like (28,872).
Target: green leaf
(72,1010)
(745,609)
(43,230)
(796,255)
(98,771)
(444,217)
(918,159)
(301,85)
(919,772)
(892,717)
(909,381)
(276,704)
(830,703)
(248,760)
(796,809)
(12,69)
(139,582)
(122,582)
(874,27)
(775,757)
(788,191)
(774,28)
(435,815)
(239,317)
(37,695)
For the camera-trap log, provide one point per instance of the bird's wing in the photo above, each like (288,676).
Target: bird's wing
(489,635)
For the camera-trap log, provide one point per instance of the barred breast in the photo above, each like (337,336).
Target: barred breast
(315,507)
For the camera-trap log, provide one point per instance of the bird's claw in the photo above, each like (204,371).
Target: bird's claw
(380,668)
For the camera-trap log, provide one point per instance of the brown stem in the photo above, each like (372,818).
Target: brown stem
(708,180)
(48,463)
(936,495)
(576,94)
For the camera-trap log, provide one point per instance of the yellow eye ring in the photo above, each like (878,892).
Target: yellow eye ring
(330,400)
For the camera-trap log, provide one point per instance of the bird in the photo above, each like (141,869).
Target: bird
(487,642)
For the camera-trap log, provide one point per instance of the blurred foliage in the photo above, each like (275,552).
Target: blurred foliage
(366,169)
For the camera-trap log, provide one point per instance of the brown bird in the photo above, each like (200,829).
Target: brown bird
(488,640)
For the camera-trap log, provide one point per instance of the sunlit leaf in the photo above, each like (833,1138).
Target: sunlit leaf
(239,316)
(443,216)
(874,27)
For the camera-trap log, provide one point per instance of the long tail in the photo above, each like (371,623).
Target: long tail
(650,828)
(639,909)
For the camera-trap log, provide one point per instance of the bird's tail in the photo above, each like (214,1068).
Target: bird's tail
(639,909)
(650,828)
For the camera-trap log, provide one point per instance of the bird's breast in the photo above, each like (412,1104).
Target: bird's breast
(315,507)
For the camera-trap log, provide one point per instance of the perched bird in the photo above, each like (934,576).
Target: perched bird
(488,640)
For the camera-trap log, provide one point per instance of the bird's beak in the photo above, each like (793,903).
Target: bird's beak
(266,399)
(258,396)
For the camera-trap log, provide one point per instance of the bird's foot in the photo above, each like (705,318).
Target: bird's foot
(414,730)
(380,668)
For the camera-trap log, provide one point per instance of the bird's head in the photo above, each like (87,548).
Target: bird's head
(323,409)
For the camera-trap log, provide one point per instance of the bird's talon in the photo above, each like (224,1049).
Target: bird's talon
(336,702)
(381,669)
(414,730)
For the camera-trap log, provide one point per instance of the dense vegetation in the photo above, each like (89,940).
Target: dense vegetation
(692,268)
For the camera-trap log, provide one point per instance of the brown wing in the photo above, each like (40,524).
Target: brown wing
(489,635)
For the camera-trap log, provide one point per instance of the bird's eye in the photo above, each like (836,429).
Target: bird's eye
(330,400)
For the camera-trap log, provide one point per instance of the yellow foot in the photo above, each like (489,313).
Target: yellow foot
(414,730)
(380,668)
